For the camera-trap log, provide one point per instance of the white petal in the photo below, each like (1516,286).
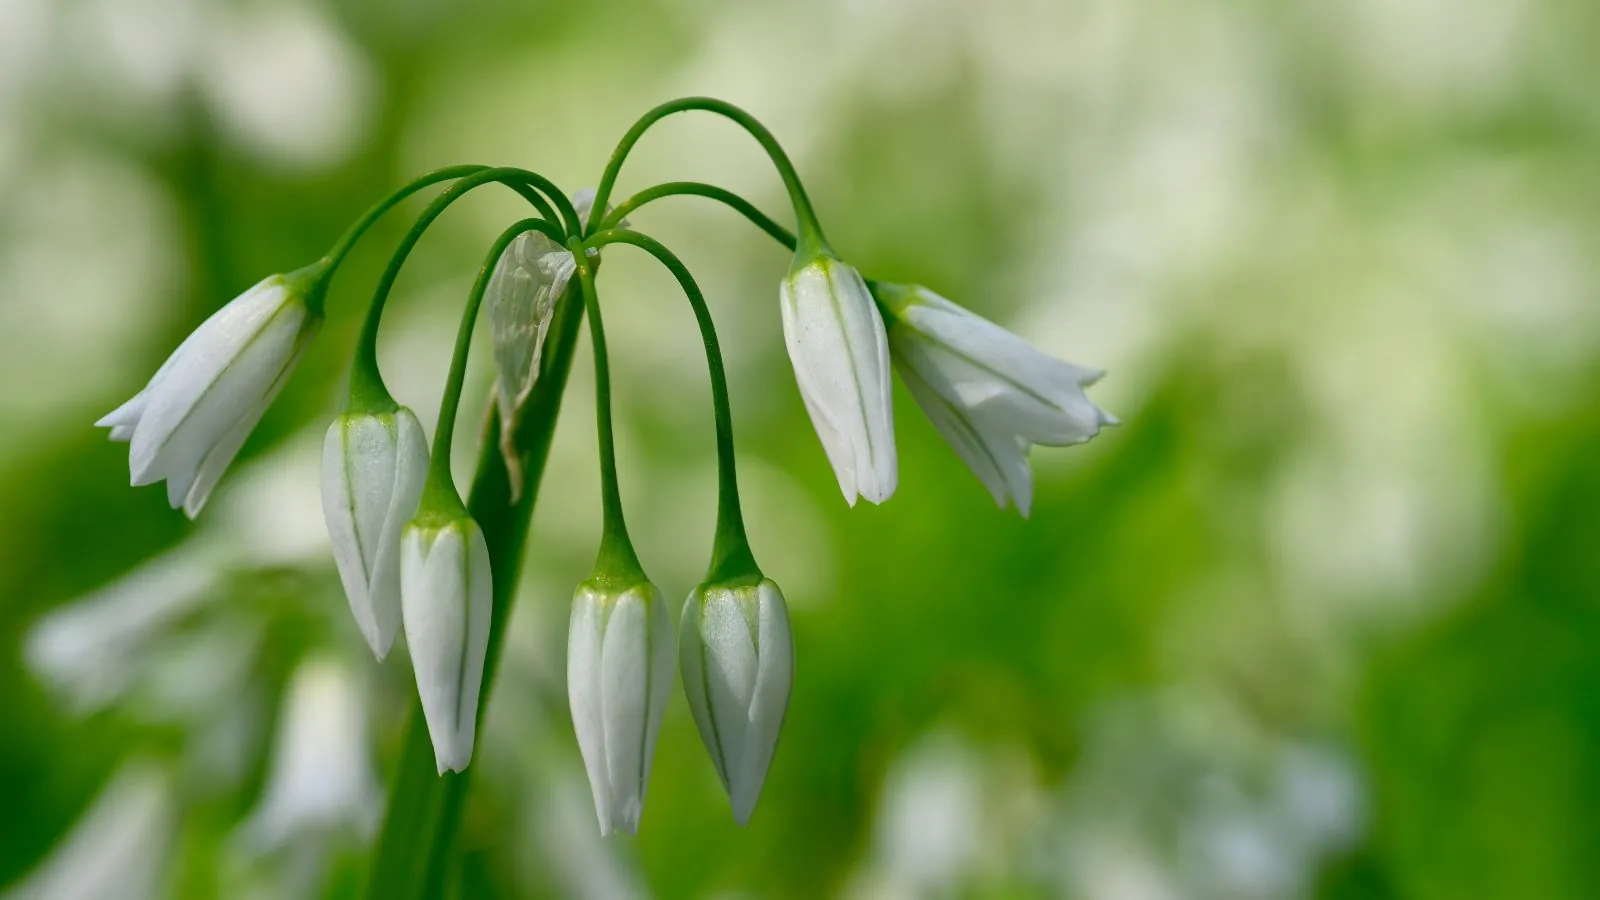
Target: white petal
(730,677)
(979,366)
(972,335)
(583,696)
(221,455)
(405,493)
(1018,474)
(662,670)
(217,460)
(125,416)
(769,700)
(692,653)
(229,364)
(445,598)
(358,474)
(624,660)
(840,453)
(993,457)
(619,676)
(836,342)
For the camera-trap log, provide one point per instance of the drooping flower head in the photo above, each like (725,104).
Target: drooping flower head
(446,598)
(619,676)
(190,421)
(737,659)
(840,354)
(374,466)
(989,393)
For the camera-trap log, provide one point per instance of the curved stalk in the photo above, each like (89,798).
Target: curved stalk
(730,552)
(805,217)
(698,189)
(366,387)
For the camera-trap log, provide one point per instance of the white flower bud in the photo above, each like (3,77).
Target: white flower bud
(619,676)
(737,662)
(373,470)
(189,422)
(840,354)
(989,393)
(446,598)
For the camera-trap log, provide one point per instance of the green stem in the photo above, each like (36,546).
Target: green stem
(353,234)
(415,849)
(805,217)
(366,387)
(730,552)
(441,487)
(710,191)
(616,559)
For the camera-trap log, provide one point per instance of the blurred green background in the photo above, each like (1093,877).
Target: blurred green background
(1320,620)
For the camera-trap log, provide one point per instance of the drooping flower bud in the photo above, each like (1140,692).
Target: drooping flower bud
(989,393)
(446,598)
(192,418)
(840,355)
(374,466)
(619,676)
(736,656)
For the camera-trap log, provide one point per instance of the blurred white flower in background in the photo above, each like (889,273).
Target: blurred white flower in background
(117,848)
(1178,794)
(321,778)
(932,821)
(287,85)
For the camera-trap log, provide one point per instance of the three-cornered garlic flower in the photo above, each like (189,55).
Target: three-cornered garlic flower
(189,422)
(836,342)
(446,598)
(373,468)
(737,660)
(988,392)
(619,675)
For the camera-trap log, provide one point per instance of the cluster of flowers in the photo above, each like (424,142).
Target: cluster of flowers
(410,555)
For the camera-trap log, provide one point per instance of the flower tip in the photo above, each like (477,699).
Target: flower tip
(877,494)
(452,759)
(744,807)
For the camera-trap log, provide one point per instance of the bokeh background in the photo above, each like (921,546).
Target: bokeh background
(1320,620)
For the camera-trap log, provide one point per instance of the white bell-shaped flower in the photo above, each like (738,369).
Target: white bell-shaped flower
(446,598)
(836,342)
(990,394)
(374,466)
(189,422)
(619,676)
(320,780)
(736,656)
